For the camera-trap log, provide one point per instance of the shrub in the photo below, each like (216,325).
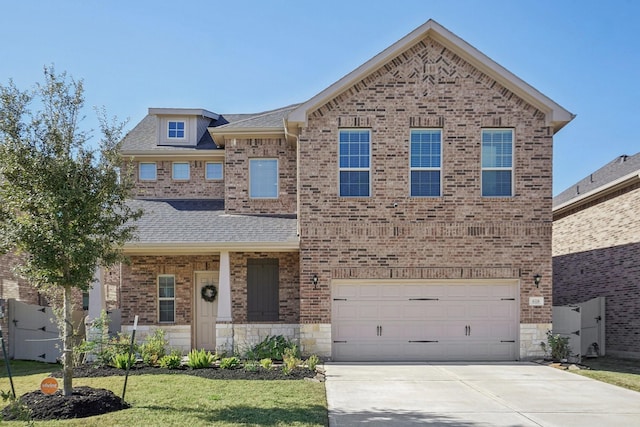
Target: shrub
(266,363)
(198,359)
(312,362)
(123,361)
(252,366)
(557,346)
(171,361)
(291,359)
(272,347)
(229,363)
(153,348)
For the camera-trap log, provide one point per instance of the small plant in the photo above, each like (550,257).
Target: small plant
(252,366)
(17,409)
(556,346)
(199,359)
(229,363)
(291,359)
(123,361)
(272,347)
(312,362)
(171,361)
(153,348)
(266,363)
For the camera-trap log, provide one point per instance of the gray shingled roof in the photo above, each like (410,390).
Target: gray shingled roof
(204,222)
(617,168)
(267,119)
(143,136)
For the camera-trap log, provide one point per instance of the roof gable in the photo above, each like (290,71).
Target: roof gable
(556,116)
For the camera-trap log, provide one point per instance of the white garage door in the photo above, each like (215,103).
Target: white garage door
(424,321)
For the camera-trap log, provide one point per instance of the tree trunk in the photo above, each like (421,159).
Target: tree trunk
(67,333)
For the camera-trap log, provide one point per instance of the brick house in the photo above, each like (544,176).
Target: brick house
(596,249)
(403,213)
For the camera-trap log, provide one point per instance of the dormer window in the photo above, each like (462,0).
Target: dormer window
(175,130)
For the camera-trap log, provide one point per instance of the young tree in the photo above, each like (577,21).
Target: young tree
(62,203)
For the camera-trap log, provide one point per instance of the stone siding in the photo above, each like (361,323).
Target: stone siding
(596,253)
(458,235)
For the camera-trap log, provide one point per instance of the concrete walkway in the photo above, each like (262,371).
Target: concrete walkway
(464,395)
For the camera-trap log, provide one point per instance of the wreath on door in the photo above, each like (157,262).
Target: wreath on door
(209,293)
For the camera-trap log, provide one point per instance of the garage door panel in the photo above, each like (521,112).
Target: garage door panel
(422,322)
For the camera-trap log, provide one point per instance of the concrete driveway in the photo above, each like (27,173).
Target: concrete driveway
(464,395)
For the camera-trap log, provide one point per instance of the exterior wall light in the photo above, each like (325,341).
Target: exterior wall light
(314,280)
(536,280)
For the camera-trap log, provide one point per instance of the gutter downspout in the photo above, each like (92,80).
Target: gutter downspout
(297,137)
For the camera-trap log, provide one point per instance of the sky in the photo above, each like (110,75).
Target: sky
(247,56)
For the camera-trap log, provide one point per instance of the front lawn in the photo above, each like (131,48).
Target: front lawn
(189,400)
(621,372)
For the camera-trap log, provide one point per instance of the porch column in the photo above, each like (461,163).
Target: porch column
(96,295)
(224,288)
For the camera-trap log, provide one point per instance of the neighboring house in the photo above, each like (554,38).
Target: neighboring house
(596,249)
(403,213)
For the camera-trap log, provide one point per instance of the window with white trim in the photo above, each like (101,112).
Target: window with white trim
(213,171)
(354,163)
(263,178)
(426,162)
(175,129)
(147,171)
(497,162)
(180,171)
(166,298)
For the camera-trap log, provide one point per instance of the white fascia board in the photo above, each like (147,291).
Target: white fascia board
(183,112)
(597,192)
(162,154)
(208,248)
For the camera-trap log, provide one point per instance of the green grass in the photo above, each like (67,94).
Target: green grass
(175,400)
(621,372)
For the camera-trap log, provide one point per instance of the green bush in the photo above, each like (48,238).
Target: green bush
(252,366)
(123,361)
(229,363)
(272,347)
(556,346)
(198,359)
(171,361)
(153,348)
(312,362)
(266,363)
(291,360)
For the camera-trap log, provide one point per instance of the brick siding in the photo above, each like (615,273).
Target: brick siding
(460,234)
(237,165)
(165,187)
(289,284)
(595,254)
(140,287)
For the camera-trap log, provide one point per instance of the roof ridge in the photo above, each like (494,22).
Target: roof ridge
(253,116)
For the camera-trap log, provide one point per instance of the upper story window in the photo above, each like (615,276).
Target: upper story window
(497,162)
(263,178)
(426,162)
(213,171)
(166,298)
(180,171)
(175,129)
(147,171)
(355,162)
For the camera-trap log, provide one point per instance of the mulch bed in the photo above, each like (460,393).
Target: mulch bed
(87,401)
